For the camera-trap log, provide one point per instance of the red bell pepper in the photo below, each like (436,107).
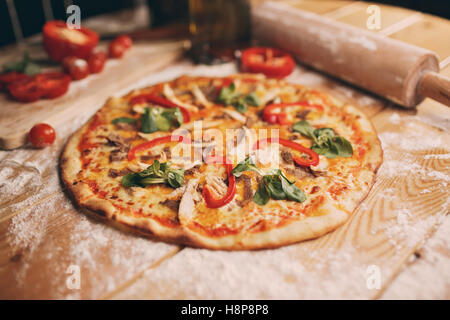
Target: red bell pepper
(271,62)
(149,144)
(8,78)
(313,156)
(61,41)
(281,117)
(48,85)
(211,201)
(142,98)
(26,90)
(53,84)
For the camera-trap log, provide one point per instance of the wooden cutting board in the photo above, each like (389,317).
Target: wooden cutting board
(16,118)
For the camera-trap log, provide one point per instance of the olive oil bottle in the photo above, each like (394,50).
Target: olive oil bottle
(218,28)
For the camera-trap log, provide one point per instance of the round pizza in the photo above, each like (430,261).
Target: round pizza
(241,162)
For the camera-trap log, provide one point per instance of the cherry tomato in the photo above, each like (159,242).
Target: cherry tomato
(77,68)
(116,49)
(271,62)
(96,61)
(125,40)
(53,84)
(42,135)
(10,77)
(26,90)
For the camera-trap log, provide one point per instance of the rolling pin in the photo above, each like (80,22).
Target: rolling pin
(402,73)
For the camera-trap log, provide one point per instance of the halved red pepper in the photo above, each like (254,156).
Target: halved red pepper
(271,62)
(8,78)
(149,144)
(281,117)
(313,156)
(48,85)
(61,41)
(26,90)
(148,97)
(53,84)
(211,201)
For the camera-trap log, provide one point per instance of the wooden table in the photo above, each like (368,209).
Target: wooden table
(402,229)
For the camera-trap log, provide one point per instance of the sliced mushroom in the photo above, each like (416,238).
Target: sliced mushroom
(198,94)
(186,209)
(168,92)
(236,115)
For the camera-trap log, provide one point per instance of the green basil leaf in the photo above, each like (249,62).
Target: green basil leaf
(246,165)
(163,123)
(148,122)
(14,66)
(173,117)
(252,99)
(164,166)
(291,191)
(334,147)
(161,119)
(227,94)
(151,180)
(262,194)
(156,173)
(130,180)
(156,166)
(151,170)
(24,66)
(324,132)
(31,69)
(326,141)
(175,178)
(304,128)
(240,106)
(177,116)
(323,150)
(343,146)
(123,120)
(323,135)
(275,188)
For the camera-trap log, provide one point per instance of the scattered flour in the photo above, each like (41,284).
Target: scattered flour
(431,259)
(268,274)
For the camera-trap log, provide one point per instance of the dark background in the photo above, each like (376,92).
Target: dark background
(31,14)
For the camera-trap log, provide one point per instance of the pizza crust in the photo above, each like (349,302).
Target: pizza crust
(306,228)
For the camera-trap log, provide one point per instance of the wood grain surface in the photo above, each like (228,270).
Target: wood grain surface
(44,238)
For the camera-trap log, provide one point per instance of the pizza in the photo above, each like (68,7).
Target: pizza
(239,162)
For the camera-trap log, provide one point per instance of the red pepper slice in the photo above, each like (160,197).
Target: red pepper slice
(211,201)
(161,102)
(281,118)
(48,85)
(26,90)
(53,84)
(10,77)
(60,41)
(149,144)
(271,62)
(313,156)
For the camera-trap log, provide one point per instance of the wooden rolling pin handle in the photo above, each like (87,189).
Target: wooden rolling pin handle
(436,87)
